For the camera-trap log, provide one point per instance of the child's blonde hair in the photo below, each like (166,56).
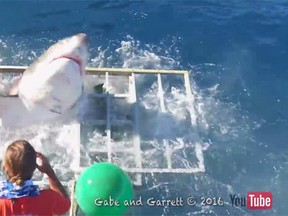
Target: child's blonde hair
(19,162)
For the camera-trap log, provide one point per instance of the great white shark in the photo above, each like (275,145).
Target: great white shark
(49,88)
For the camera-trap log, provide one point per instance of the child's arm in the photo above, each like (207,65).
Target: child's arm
(46,168)
(56,185)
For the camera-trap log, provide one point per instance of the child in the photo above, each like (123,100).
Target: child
(18,194)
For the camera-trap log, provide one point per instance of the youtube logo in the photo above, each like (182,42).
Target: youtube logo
(259,200)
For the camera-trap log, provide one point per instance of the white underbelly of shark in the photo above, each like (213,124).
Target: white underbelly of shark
(57,92)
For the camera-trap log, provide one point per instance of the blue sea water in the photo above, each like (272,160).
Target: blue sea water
(236,53)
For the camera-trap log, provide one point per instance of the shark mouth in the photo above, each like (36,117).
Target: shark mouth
(76,60)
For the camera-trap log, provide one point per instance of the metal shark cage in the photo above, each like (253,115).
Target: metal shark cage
(137,170)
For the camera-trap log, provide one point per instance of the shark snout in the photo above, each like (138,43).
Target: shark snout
(83,37)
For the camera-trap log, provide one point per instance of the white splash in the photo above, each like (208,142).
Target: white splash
(56,141)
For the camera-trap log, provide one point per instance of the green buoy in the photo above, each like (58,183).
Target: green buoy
(102,189)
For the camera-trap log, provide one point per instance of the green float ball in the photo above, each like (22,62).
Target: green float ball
(104,182)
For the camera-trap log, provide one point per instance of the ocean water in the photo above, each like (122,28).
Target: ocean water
(236,54)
